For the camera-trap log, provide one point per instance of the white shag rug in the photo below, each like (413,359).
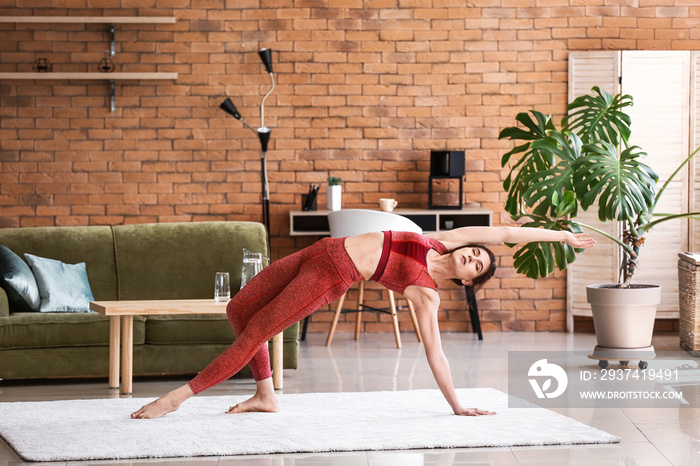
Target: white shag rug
(315,422)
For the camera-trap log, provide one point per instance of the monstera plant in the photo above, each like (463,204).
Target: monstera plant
(590,163)
(587,163)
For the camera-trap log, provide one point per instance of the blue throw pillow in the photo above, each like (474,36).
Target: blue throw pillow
(62,287)
(17,280)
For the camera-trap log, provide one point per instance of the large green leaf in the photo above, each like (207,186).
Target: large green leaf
(537,129)
(543,189)
(532,160)
(531,164)
(599,117)
(625,185)
(566,146)
(536,260)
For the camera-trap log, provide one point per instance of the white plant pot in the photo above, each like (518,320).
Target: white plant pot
(334,197)
(623,317)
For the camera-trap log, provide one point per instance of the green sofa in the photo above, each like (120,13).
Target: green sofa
(130,262)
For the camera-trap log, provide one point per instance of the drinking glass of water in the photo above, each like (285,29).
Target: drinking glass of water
(222,287)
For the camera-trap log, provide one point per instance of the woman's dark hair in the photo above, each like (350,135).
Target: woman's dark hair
(479,281)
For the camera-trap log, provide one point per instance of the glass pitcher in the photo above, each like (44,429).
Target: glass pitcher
(253,263)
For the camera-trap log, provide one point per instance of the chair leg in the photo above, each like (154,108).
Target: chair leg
(360,302)
(474,312)
(335,320)
(412,310)
(395,319)
(304,328)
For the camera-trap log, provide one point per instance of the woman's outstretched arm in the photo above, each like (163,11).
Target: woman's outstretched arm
(459,237)
(426,303)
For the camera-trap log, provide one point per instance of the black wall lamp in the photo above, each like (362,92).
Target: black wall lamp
(263,133)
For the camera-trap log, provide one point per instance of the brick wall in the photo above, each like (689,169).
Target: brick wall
(364,90)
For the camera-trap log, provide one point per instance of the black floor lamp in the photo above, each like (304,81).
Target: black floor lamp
(263,134)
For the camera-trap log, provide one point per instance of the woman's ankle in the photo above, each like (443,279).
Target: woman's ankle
(265,389)
(181,394)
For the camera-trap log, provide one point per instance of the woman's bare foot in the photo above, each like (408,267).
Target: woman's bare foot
(156,409)
(165,404)
(256,404)
(264,400)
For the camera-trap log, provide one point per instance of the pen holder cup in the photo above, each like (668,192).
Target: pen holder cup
(314,202)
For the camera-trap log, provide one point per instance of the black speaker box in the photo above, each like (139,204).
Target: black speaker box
(447,163)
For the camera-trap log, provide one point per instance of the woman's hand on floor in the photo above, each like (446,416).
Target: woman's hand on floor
(473,412)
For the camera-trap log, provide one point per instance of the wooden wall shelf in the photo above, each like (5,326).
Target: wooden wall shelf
(315,222)
(88,19)
(111,77)
(88,75)
(110,21)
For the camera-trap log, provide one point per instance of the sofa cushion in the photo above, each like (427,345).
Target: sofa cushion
(35,330)
(71,361)
(197,328)
(17,279)
(62,287)
(156,261)
(93,245)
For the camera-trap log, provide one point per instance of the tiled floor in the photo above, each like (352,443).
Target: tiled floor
(649,436)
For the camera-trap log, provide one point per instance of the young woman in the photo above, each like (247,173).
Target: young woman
(292,288)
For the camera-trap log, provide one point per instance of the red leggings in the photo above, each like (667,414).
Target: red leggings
(282,294)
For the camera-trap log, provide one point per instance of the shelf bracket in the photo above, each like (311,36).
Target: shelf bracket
(112,39)
(112,84)
(112,99)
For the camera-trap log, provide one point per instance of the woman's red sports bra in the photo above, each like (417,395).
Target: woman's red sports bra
(404,263)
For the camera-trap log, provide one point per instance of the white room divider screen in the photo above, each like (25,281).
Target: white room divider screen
(665,86)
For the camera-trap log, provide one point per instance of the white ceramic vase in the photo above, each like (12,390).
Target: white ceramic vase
(334,196)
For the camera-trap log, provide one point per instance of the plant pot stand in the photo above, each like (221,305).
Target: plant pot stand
(624,355)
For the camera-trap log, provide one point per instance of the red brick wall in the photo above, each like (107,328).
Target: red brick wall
(364,90)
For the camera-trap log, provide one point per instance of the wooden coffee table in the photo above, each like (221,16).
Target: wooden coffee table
(126,310)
